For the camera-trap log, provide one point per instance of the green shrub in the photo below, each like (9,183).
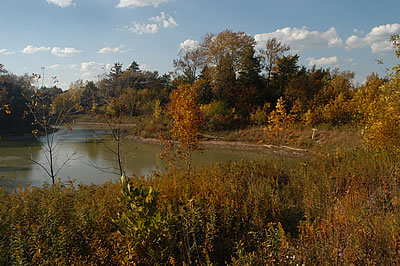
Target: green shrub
(144,231)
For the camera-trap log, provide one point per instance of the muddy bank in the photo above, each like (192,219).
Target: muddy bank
(236,145)
(212,142)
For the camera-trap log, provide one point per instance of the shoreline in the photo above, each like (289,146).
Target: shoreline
(236,145)
(210,143)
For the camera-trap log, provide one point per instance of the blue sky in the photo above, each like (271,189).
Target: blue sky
(82,39)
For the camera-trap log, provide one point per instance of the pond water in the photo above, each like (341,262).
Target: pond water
(93,161)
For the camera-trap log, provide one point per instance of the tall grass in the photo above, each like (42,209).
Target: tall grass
(342,208)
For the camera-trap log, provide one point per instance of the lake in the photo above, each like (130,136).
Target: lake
(92,159)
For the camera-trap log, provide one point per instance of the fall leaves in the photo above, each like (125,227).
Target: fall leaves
(185,114)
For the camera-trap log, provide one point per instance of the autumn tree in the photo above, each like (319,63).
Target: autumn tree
(235,44)
(382,119)
(14,116)
(185,116)
(332,104)
(274,49)
(304,85)
(279,121)
(233,71)
(227,54)
(382,124)
(68,100)
(395,39)
(189,64)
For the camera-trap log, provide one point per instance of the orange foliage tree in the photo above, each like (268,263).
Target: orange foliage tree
(185,114)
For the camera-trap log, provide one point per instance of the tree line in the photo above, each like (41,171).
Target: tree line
(235,84)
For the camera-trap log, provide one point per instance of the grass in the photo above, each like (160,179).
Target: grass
(340,208)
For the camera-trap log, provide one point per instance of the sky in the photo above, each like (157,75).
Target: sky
(82,39)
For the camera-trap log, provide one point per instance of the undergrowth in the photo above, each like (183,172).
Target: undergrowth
(342,208)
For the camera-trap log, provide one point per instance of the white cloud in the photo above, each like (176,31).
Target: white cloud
(322,61)
(30,49)
(109,50)
(92,70)
(140,3)
(382,47)
(354,42)
(377,39)
(61,3)
(165,20)
(301,38)
(143,28)
(145,67)
(6,52)
(64,52)
(188,45)
(55,66)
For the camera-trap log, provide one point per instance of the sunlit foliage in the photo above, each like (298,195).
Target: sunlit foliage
(186,120)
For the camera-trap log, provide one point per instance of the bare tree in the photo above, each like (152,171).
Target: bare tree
(273,50)
(189,63)
(116,119)
(47,121)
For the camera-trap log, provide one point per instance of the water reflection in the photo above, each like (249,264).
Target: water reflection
(92,148)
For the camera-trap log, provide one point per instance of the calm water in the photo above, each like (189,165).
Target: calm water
(92,162)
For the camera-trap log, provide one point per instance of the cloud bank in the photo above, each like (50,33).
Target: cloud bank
(377,39)
(30,49)
(301,38)
(57,51)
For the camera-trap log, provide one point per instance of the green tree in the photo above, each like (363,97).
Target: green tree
(304,85)
(89,98)
(284,70)
(224,85)
(134,66)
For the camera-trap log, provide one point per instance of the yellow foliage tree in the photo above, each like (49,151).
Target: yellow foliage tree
(185,115)
(338,111)
(365,97)
(382,125)
(382,113)
(279,121)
